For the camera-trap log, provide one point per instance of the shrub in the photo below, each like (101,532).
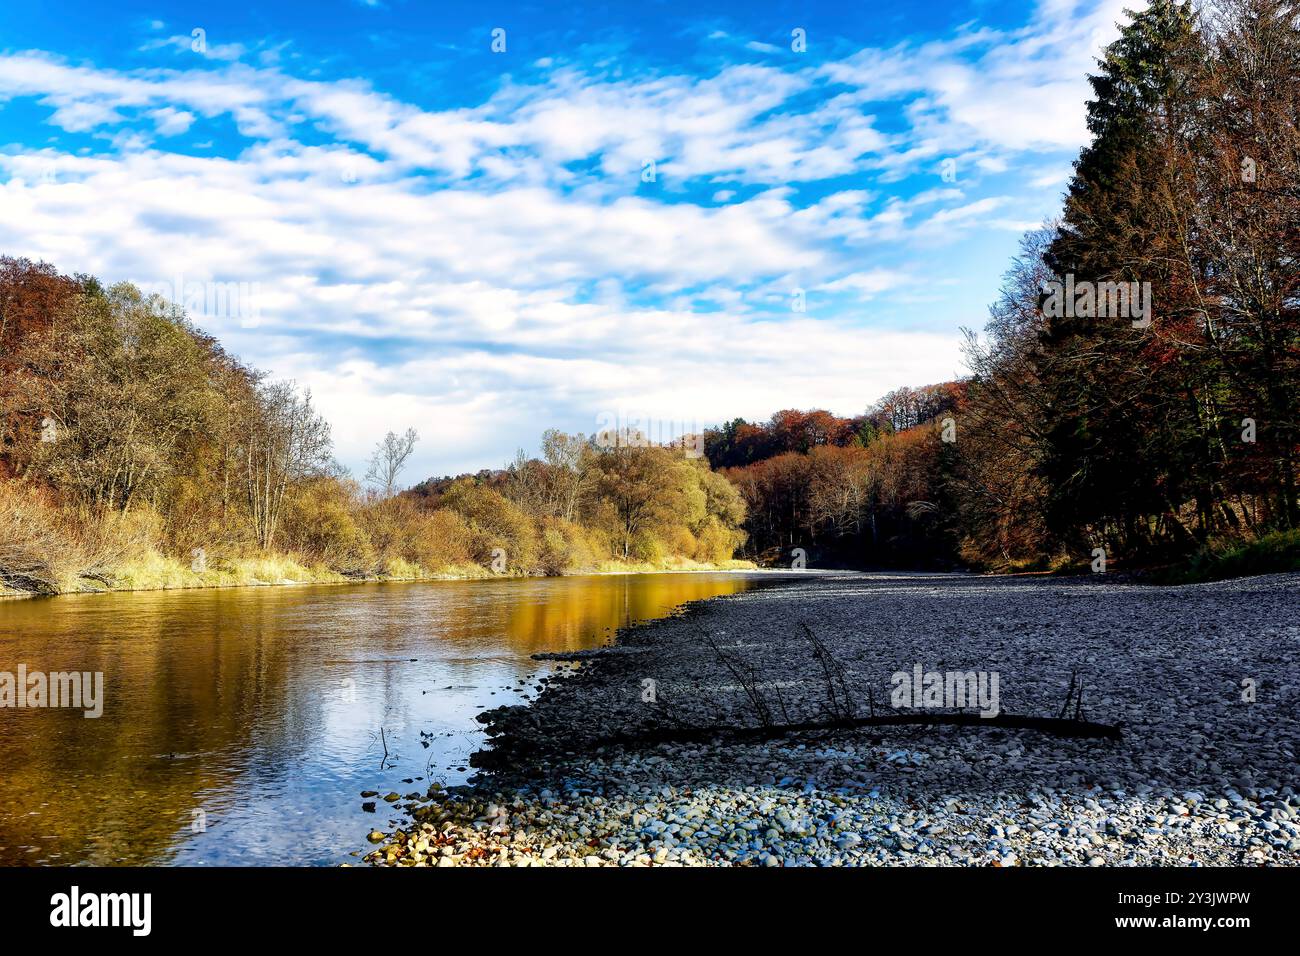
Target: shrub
(436,540)
(648,548)
(716,543)
(566,546)
(495,523)
(1270,553)
(47,547)
(319,525)
(30,542)
(682,543)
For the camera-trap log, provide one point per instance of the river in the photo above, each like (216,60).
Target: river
(240,725)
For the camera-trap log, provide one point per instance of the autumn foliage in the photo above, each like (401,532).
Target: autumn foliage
(1155,440)
(862,491)
(135,452)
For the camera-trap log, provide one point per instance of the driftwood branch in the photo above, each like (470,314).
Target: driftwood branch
(1056,726)
(746,675)
(839,701)
(1073,695)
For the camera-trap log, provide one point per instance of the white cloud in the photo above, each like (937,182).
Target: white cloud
(1012,91)
(170,121)
(482,272)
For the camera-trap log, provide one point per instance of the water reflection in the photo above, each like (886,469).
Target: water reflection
(239,725)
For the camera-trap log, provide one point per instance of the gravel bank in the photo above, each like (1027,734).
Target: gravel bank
(1203,775)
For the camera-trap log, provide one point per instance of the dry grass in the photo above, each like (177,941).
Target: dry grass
(29,544)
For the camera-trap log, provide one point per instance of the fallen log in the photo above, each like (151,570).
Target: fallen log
(1056,726)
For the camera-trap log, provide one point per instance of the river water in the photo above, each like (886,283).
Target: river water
(240,725)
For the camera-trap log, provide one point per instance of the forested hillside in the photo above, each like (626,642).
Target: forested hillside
(849,491)
(135,452)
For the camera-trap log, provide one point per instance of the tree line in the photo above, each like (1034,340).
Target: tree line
(847,491)
(135,451)
(1154,435)
(1153,415)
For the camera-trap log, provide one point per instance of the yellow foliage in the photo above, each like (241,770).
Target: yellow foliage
(319,525)
(495,522)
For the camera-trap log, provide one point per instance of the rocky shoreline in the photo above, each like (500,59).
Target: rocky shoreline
(1203,679)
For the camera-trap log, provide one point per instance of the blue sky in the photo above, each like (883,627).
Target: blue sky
(673,213)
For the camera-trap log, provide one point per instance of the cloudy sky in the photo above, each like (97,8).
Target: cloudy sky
(483,219)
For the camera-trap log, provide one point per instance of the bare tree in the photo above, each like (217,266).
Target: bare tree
(285,441)
(526,484)
(568,459)
(389,459)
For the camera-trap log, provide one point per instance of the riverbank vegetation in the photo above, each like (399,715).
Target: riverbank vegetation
(136,453)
